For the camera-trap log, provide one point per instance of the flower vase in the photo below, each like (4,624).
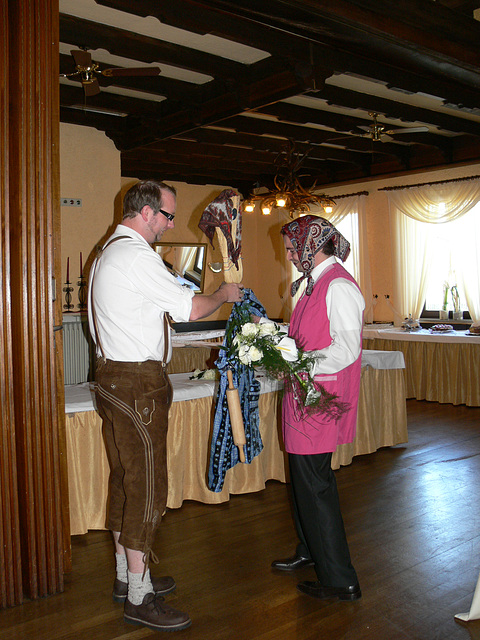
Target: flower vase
(443,314)
(458,315)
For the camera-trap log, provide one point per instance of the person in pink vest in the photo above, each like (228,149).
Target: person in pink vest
(328,318)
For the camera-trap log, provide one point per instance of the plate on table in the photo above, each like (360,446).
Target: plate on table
(473,335)
(446,328)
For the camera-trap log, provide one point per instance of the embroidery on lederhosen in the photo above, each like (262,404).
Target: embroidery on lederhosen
(139,424)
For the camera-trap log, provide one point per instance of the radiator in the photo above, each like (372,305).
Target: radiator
(78,350)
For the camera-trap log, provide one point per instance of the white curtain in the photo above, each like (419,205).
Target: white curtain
(183,258)
(412,210)
(349,216)
(467,256)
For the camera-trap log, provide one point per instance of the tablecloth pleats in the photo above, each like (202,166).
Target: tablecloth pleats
(381,422)
(445,372)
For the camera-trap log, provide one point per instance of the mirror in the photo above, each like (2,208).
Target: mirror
(186,261)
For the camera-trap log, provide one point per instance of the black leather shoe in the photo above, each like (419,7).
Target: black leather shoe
(316,590)
(290,564)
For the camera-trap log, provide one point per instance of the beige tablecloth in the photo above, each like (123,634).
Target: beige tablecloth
(440,368)
(381,422)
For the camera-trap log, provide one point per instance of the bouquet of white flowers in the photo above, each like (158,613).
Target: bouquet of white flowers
(267,345)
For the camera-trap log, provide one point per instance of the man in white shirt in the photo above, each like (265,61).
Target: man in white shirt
(131,295)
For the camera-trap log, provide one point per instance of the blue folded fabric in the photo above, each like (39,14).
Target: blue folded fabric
(224,453)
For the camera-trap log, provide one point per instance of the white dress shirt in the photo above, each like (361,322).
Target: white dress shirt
(132,290)
(345,306)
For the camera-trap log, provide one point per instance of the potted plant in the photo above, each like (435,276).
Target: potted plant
(457,313)
(443,311)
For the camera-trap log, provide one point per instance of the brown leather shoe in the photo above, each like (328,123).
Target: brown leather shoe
(161,586)
(316,590)
(290,564)
(155,614)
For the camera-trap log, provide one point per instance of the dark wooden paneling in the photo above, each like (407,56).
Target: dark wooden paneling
(10,561)
(32,172)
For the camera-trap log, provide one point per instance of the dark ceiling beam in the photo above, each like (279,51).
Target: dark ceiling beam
(276,83)
(415,81)
(465,6)
(127,44)
(398,110)
(143,171)
(308,41)
(156,85)
(99,121)
(303,115)
(200,19)
(275,145)
(245,181)
(202,154)
(172,164)
(261,126)
(406,28)
(319,42)
(418,27)
(75,96)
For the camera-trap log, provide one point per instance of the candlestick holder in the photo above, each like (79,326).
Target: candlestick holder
(82,294)
(68,297)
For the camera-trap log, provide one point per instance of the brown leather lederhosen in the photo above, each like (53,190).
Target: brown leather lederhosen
(133,399)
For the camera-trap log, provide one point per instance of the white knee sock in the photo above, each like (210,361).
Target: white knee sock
(138,586)
(121,566)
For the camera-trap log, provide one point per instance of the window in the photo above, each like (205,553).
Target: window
(435,239)
(450,262)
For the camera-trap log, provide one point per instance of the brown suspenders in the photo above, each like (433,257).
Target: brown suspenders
(166,316)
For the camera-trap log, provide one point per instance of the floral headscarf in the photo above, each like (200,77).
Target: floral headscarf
(220,213)
(308,234)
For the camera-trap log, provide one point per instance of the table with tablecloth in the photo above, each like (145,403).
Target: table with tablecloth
(440,367)
(186,356)
(381,422)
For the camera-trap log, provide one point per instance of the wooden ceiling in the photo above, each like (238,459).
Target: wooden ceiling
(241,80)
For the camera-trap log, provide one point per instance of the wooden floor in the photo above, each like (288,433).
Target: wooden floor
(412,515)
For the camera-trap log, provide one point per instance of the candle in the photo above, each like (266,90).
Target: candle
(68,269)
(81,266)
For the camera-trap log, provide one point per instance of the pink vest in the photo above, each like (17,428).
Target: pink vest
(309,326)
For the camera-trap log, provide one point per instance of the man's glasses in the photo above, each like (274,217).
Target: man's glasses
(169,216)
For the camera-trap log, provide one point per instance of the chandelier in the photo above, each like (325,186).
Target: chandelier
(288,193)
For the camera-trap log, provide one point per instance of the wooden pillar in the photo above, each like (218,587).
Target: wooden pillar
(10,561)
(33,476)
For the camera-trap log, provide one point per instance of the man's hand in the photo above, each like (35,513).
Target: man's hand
(205,305)
(232,291)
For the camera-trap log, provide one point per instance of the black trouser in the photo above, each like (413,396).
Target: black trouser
(318,519)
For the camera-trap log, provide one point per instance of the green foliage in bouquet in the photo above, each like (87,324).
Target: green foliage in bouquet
(267,345)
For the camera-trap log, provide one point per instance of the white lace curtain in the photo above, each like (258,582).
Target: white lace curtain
(412,211)
(349,215)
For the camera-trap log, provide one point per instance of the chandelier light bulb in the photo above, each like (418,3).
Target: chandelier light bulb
(249,207)
(287,192)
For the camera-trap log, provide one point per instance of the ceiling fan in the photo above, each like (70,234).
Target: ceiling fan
(377,131)
(88,70)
